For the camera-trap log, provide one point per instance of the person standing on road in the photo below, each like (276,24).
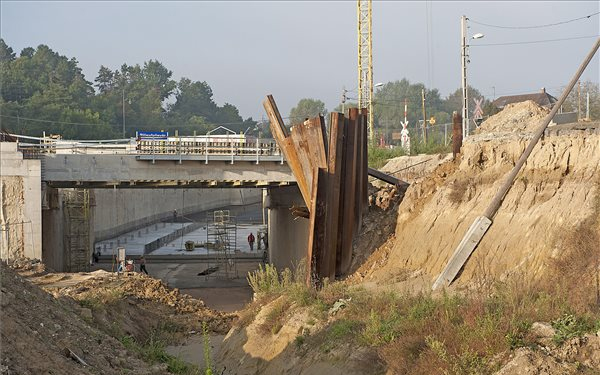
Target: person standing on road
(143,265)
(251,241)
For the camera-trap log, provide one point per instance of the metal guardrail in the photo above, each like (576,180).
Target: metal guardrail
(242,149)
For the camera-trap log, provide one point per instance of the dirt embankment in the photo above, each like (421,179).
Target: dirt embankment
(88,313)
(38,330)
(555,191)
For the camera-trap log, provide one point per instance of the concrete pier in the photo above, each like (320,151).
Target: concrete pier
(288,235)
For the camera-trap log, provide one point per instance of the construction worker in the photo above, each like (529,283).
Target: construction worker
(143,265)
(251,241)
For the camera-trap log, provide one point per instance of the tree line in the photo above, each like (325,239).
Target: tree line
(389,100)
(41,90)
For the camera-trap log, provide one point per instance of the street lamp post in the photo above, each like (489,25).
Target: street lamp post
(464,61)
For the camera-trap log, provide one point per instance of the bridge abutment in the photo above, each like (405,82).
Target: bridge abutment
(20,204)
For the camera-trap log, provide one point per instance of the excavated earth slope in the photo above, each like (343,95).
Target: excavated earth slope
(38,333)
(555,190)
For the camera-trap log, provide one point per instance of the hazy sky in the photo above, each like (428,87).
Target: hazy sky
(293,50)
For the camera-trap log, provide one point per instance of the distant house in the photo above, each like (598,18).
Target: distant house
(542,98)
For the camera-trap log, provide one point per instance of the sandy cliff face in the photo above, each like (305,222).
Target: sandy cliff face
(557,189)
(12,217)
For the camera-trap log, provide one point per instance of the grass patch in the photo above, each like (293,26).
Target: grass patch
(378,156)
(153,351)
(431,147)
(343,329)
(101,300)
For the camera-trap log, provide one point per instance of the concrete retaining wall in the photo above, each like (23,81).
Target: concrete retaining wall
(20,204)
(122,210)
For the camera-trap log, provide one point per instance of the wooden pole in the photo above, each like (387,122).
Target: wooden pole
(482,223)
(424,130)
(457,136)
(497,201)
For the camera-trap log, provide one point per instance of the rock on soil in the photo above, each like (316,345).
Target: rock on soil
(548,359)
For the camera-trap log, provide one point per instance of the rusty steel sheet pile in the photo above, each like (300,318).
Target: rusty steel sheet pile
(331,171)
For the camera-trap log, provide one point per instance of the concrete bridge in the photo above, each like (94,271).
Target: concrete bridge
(163,171)
(88,167)
(172,163)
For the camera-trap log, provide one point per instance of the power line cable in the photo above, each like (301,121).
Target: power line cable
(101,124)
(536,26)
(51,121)
(534,41)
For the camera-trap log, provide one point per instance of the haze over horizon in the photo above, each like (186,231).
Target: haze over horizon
(295,50)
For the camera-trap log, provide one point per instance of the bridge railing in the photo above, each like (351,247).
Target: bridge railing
(264,147)
(204,147)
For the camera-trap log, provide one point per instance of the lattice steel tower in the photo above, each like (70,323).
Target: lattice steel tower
(365,62)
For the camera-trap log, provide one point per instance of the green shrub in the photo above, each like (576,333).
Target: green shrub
(208,370)
(299,341)
(515,338)
(264,281)
(569,326)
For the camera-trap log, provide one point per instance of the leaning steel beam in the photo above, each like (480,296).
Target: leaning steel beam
(282,136)
(478,229)
(386,177)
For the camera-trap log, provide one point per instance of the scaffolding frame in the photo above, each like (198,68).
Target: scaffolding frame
(365,61)
(221,244)
(76,206)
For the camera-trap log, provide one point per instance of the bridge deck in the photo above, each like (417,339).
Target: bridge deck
(161,171)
